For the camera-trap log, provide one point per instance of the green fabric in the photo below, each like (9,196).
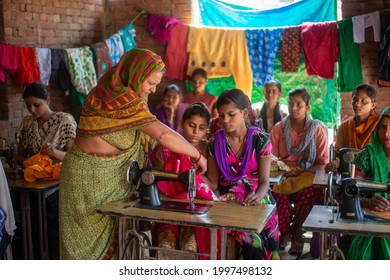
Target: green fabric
(87,182)
(372,162)
(349,66)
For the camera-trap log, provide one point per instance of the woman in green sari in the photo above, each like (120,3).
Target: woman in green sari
(374,162)
(114,128)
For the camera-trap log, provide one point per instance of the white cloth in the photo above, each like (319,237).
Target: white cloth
(360,23)
(44,59)
(6,203)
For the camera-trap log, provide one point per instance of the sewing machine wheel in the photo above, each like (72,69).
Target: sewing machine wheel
(137,245)
(132,176)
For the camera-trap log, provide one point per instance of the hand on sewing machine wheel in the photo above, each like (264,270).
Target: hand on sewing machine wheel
(332,166)
(376,202)
(252,199)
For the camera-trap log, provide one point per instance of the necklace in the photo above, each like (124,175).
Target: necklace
(237,152)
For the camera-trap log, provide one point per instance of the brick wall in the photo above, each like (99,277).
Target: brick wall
(67,23)
(368,51)
(44,23)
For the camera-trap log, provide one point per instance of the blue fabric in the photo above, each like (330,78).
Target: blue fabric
(263,45)
(128,36)
(220,13)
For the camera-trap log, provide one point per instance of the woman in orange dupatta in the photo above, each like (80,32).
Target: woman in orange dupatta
(355,132)
(114,126)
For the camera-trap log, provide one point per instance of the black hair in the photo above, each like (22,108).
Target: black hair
(199,71)
(36,89)
(235,96)
(197,109)
(302,92)
(175,88)
(273,83)
(371,92)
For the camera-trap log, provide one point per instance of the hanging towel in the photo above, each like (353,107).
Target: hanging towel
(28,69)
(320,47)
(360,23)
(176,55)
(384,58)
(291,49)
(220,52)
(115,48)
(262,46)
(160,27)
(44,59)
(349,66)
(128,37)
(82,70)
(59,69)
(8,60)
(102,59)
(6,202)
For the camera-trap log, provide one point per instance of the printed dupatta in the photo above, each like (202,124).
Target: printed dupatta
(114,105)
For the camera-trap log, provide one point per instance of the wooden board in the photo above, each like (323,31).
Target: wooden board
(39,185)
(227,215)
(321,219)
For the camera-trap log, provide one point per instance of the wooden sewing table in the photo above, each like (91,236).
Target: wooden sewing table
(222,215)
(40,188)
(321,219)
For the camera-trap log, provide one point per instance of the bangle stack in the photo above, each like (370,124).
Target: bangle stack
(198,159)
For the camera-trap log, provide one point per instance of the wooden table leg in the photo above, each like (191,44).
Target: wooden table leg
(213,244)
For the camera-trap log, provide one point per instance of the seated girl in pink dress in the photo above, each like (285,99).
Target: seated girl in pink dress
(238,168)
(195,123)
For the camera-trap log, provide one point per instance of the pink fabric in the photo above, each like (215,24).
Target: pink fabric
(176,55)
(279,148)
(160,27)
(320,47)
(8,60)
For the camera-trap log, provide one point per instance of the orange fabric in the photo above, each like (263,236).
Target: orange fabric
(351,136)
(40,167)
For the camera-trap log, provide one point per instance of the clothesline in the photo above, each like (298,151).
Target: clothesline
(143,12)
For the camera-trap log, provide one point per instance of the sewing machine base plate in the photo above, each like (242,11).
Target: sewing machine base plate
(177,206)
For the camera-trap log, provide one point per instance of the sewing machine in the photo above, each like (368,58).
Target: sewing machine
(148,192)
(351,189)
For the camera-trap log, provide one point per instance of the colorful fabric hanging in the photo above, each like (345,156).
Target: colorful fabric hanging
(291,48)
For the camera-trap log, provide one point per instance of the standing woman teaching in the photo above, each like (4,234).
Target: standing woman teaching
(114,126)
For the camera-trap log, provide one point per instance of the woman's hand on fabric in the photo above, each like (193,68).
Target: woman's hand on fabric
(48,149)
(293,173)
(378,203)
(252,199)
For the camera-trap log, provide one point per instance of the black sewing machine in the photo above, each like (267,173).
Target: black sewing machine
(351,189)
(149,194)
(347,159)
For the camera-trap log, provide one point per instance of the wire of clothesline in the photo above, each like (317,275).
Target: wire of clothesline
(143,12)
